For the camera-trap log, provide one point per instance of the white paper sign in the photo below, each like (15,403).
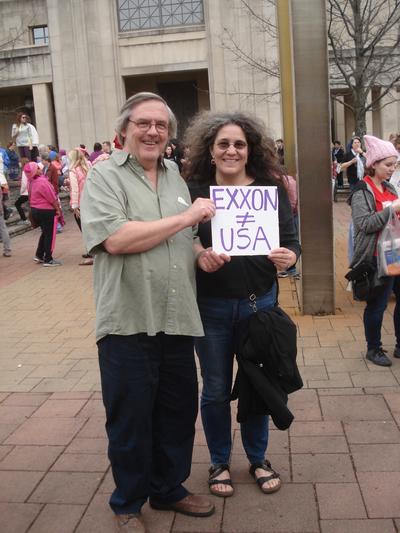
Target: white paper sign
(246,220)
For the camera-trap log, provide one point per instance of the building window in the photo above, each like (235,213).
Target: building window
(40,35)
(148,14)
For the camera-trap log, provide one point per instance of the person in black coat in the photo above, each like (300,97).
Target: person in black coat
(354,162)
(338,157)
(233,149)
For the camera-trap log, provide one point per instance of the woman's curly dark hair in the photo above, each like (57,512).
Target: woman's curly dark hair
(262,164)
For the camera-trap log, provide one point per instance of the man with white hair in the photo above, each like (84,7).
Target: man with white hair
(137,222)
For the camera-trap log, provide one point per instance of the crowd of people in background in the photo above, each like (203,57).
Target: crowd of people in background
(67,171)
(36,204)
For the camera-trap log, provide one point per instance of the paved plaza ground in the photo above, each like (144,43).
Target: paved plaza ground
(340,460)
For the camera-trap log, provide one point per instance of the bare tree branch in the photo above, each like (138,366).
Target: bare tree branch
(364,43)
(11,42)
(343,102)
(266,24)
(271,68)
(368,55)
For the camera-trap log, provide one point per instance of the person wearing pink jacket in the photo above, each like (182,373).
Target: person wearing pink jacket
(79,166)
(44,210)
(23,195)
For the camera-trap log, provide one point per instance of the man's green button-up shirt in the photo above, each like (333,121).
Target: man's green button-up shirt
(147,292)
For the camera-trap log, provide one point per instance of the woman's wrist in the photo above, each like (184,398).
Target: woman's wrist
(199,254)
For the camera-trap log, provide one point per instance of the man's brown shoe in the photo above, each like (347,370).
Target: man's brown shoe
(130,523)
(190,505)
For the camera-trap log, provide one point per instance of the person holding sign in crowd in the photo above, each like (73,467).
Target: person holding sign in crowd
(233,149)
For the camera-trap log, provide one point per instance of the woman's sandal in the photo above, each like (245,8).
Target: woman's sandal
(265,465)
(215,471)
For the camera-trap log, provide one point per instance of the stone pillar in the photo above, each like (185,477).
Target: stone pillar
(87,86)
(216,70)
(376,114)
(348,119)
(44,114)
(370,128)
(340,122)
(287,96)
(310,55)
(390,116)
(234,83)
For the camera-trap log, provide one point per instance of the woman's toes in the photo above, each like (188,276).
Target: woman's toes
(271,484)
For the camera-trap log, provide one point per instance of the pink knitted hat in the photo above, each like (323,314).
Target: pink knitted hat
(378,149)
(30,169)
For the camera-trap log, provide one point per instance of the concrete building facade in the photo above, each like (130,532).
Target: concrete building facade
(70,64)
(99,52)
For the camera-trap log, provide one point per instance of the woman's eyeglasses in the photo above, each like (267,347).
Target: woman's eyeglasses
(224,145)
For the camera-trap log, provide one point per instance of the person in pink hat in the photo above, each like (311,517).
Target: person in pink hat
(371,203)
(44,210)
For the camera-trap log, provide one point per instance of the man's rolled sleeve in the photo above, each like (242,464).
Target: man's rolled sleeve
(102,211)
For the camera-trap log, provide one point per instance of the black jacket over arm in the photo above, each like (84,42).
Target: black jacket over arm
(267,370)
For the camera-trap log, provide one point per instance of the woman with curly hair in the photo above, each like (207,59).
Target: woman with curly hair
(233,149)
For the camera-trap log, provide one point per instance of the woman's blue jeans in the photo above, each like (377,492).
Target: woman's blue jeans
(221,317)
(396,311)
(374,311)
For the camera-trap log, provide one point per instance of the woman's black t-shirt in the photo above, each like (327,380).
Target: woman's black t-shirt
(230,281)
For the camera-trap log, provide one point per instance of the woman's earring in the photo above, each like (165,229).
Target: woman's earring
(212,161)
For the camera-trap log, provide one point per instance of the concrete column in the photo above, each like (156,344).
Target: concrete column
(86,83)
(368,117)
(287,95)
(216,70)
(390,113)
(235,84)
(340,123)
(42,101)
(348,119)
(310,54)
(376,114)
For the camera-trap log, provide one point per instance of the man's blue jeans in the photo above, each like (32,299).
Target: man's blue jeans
(221,317)
(149,387)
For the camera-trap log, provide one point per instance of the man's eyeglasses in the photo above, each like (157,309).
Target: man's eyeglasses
(145,125)
(238,145)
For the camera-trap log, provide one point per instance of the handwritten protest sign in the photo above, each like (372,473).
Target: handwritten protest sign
(246,220)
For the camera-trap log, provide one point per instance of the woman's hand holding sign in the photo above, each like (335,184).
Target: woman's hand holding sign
(283,258)
(210,261)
